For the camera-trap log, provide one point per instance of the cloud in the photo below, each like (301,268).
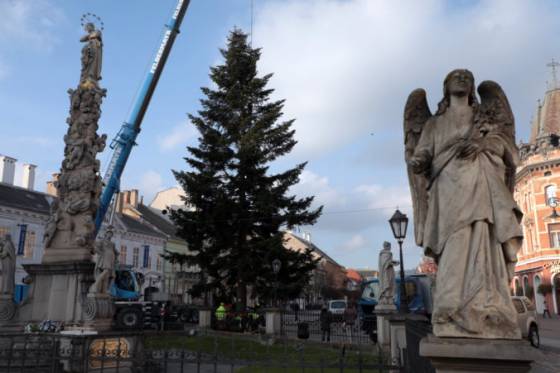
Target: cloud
(351,211)
(179,135)
(345,68)
(29,23)
(151,182)
(357,242)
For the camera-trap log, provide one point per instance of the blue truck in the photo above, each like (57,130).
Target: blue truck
(419,296)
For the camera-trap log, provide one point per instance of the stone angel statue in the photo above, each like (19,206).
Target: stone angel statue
(461,166)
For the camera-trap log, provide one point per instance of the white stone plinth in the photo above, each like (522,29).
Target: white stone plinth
(466,355)
(204,318)
(273,321)
(397,337)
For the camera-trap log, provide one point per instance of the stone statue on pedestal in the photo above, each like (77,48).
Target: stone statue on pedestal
(461,167)
(92,55)
(7,265)
(386,275)
(69,235)
(105,264)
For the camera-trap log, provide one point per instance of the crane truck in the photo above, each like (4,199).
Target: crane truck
(130,311)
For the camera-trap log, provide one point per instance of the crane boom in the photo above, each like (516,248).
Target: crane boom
(126,138)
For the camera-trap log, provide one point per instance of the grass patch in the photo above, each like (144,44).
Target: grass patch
(254,356)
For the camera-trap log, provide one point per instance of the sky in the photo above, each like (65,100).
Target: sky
(344,67)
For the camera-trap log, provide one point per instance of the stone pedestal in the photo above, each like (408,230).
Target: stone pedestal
(204,318)
(98,312)
(7,309)
(465,355)
(397,336)
(59,293)
(273,321)
(383,313)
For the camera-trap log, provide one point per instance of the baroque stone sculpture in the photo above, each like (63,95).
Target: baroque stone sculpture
(461,167)
(386,275)
(105,263)
(70,229)
(7,278)
(7,265)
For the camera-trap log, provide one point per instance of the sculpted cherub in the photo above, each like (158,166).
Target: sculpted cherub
(461,163)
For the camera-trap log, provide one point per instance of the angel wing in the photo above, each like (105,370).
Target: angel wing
(416,113)
(495,115)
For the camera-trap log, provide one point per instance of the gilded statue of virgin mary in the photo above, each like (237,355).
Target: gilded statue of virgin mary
(92,55)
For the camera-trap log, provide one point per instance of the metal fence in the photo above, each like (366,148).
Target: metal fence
(180,352)
(307,325)
(415,331)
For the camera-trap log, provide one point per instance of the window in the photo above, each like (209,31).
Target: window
(122,258)
(4,231)
(554,235)
(158,264)
(22,238)
(135,253)
(547,173)
(550,192)
(29,244)
(146,259)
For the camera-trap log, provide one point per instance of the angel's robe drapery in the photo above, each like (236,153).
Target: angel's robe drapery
(471,213)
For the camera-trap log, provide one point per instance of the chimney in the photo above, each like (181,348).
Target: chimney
(133,198)
(29,176)
(51,185)
(7,169)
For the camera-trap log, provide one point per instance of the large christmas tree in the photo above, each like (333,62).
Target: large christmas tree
(237,206)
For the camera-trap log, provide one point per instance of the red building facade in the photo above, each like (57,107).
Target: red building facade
(536,191)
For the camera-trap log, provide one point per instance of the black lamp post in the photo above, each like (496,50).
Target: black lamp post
(399,223)
(276,265)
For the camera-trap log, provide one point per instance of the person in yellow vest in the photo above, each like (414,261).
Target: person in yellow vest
(220,312)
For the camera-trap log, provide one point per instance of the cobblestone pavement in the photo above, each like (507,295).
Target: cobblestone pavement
(549,331)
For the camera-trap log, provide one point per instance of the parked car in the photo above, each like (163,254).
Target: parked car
(337,308)
(527,319)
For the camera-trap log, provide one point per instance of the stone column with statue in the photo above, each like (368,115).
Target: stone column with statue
(386,278)
(461,168)
(60,284)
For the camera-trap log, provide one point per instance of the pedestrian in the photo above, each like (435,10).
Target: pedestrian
(350,316)
(545,310)
(296,310)
(325,319)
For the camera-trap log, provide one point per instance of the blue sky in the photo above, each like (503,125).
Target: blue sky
(344,67)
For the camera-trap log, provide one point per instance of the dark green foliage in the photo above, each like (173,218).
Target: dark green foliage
(237,206)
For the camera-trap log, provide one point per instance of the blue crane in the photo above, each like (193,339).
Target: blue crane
(126,137)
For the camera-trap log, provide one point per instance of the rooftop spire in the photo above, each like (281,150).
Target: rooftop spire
(553,65)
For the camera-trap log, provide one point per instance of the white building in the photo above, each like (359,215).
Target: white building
(23,214)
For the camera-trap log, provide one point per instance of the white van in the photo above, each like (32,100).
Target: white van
(337,306)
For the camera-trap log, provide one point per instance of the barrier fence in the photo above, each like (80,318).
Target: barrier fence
(309,325)
(181,352)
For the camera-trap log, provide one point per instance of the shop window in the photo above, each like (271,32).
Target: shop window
(4,231)
(554,234)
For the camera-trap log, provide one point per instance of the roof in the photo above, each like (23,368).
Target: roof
(313,247)
(353,275)
(547,117)
(24,199)
(136,226)
(157,220)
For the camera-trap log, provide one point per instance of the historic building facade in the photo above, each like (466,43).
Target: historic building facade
(537,191)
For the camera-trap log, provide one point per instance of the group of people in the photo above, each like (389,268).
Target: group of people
(349,317)
(227,319)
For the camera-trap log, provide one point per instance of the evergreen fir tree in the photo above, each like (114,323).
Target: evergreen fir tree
(237,206)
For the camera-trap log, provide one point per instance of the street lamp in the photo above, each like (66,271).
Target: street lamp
(399,223)
(276,265)
(553,202)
